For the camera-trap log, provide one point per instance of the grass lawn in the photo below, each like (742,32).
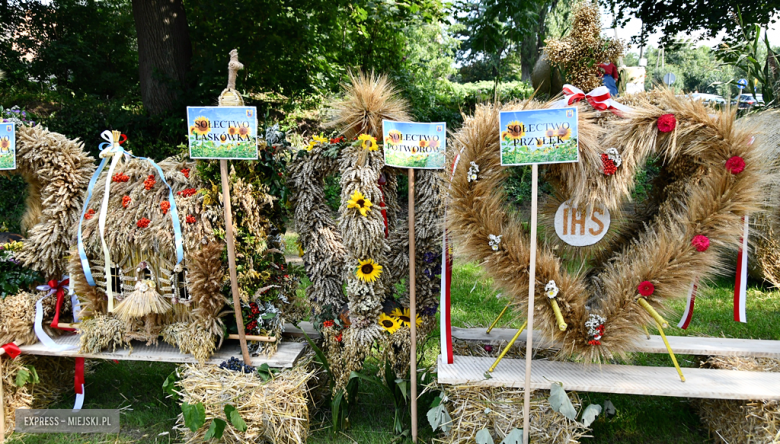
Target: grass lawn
(149,417)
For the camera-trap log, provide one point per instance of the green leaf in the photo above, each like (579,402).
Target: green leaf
(22,376)
(320,355)
(34,375)
(235,418)
(403,385)
(560,402)
(194,415)
(439,418)
(169,385)
(515,436)
(336,413)
(216,429)
(590,414)
(483,437)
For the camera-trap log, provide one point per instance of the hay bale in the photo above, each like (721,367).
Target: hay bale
(17,316)
(740,421)
(275,411)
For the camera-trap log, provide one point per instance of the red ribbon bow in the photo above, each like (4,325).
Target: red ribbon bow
(11,350)
(60,289)
(599,98)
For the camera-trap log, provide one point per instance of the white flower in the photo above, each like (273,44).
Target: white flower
(472,173)
(551,289)
(613,155)
(494,241)
(592,323)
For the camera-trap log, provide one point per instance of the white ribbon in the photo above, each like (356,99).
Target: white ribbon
(42,336)
(599,99)
(79,399)
(115,153)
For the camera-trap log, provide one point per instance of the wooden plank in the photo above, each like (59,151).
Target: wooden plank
(285,357)
(297,332)
(684,345)
(624,379)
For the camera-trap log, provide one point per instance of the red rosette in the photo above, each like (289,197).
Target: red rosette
(667,123)
(700,242)
(646,288)
(735,165)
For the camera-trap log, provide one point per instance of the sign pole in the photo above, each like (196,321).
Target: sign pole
(530,321)
(412,306)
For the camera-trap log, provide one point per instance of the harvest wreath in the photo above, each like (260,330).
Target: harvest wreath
(711,177)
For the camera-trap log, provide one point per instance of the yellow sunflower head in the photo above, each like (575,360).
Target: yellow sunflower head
(223,138)
(405,316)
(368,270)
(423,143)
(505,135)
(564,133)
(368,142)
(390,324)
(394,137)
(5,142)
(550,133)
(202,126)
(232,130)
(539,143)
(361,202)
(515,130)
(244,130)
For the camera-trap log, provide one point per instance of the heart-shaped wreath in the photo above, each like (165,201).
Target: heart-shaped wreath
(710,177)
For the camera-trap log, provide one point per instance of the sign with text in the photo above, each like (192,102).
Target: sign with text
(539,136)
(7,146)
(578,228)
(414,145)
(222,132)
(67,421)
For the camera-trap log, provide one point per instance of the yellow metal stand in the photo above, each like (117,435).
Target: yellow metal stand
(661,324)
(562,326)
(500,315)
(643,302)
(671,353)
(506,349)
(647,333)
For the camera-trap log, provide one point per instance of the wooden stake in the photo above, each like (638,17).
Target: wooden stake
(412,306)
(231,247)
(531,293)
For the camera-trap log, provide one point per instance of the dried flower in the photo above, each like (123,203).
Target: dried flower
(700,242)
(187,193)
(494,241)
(191,219)
(143,223)
(551,289)
(186,172)
(735,165)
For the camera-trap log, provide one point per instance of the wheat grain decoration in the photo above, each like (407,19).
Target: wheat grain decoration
(696,194)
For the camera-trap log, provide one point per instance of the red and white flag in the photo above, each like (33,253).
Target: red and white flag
(740,285)
(445,323)
(688,314)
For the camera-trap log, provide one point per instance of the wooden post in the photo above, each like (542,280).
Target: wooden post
(2,401)
(412,306)
(531,293)
(231,247)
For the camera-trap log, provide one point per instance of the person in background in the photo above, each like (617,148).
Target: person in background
(610,76)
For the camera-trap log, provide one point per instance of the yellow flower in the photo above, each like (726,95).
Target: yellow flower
(549,133)
(389,323)
(394,137)
(369,142)
(423,143)
(564,133)
(232,130)
(244,131)
(515,130)
(539,143)
(5,143)
(405,316)
(357,200)
(202,126)
(505,135)
(316,140)
(368,270)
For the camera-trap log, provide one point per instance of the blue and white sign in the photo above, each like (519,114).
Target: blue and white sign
(742,83)
(222,132)
(539,136)
(7,146)
(414,145)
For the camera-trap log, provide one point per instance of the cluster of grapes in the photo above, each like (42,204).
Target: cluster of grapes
(236,365)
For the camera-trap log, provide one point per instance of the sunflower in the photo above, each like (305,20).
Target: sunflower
(539,143)
(5,143)
(433,144)
(316,140)
(223,138)
(405,317)
(357,200)
(232,130)
(368,142)
(394,137)
(192,129)
(423,143)
(550,133)
(564,133)
(515,130)
(244,130)
(505,135)
(389,323)
(202,126)
(368,270)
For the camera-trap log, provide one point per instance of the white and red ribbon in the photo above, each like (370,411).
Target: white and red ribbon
(599,99)
(740,284)
(688,313)
(445,322)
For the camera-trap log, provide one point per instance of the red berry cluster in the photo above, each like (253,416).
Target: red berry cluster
(126,201)
(609,165)
(165,206)
(338,139)
(254,308)
(186,172)
(594,342)
(89,214)
(120,177)
(187,193)
(191,219)
(327,324)
(339,337)
(143,223)
(149,182)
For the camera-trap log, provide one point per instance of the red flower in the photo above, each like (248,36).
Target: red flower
(126,201)
(149,182)
(338,337)
(609,165)
(594,342)
(186,172)
(735,165)
(327,324)
(700,242)
(89,214)
(666,123)
(165,206)
(280,174)
(338,139)
(188,192)
(143,223)
(119,177)
(251,326)
(191,219)
(646,288)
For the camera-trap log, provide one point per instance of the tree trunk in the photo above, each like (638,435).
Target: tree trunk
(532,45)
(164,52)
